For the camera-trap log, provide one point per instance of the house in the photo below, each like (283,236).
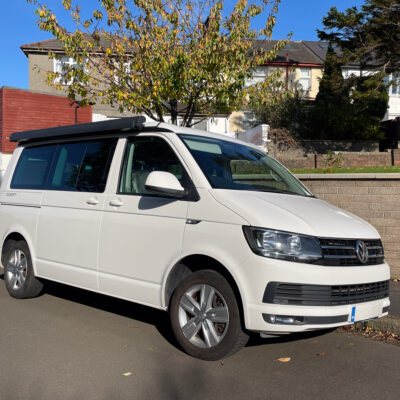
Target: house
(299,62)
(22,110)
(299,66)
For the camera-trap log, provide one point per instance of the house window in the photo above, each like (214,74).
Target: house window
(394,89)
(121,69)
(305,78)
(60,66)
(259,75)
(249,120)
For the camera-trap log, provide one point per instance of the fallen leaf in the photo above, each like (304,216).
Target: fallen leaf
(322,354)
(222,363)
(351,344)
(127,374)
(284,359)
(150,349)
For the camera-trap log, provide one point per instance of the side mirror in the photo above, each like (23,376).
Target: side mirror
(164,184)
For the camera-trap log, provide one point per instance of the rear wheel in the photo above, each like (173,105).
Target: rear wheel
(19,277)
(205,316)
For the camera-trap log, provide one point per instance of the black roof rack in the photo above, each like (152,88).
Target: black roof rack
(136,124)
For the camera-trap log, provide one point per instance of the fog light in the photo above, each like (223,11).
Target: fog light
(283,319)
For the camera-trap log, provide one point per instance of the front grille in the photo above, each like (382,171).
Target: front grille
(342,252)
(324,295)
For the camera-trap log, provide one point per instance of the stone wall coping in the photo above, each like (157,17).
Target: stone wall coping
(363,176)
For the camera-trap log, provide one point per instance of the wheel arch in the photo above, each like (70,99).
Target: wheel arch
(16,235)
(197,262)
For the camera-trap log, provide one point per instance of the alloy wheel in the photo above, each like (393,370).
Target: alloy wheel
(203,316)
(17,269)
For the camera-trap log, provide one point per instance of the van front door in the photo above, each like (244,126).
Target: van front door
(141,234)
(70,215)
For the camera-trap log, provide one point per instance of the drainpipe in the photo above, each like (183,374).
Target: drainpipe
(77,105)
(287,71)
(76,111)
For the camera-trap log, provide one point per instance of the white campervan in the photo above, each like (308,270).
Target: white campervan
(209,228)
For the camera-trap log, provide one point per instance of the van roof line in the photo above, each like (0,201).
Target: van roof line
(135,124)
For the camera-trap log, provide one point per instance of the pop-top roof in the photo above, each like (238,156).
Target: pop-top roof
(136,124)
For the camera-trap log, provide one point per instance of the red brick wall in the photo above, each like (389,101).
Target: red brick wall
(21,110)
(348,159)
(359,159)
(1,115)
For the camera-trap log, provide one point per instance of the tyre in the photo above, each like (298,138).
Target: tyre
(18,271)
(205,317)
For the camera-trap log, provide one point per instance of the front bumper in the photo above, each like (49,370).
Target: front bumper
(255,274)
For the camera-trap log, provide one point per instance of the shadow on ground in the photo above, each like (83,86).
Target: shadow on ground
(158,318)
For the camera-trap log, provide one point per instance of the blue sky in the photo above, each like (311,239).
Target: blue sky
(17,27)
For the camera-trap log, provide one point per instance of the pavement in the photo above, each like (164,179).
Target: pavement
(390,323)
(73,344)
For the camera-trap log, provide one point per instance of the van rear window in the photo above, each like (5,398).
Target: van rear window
(75,166)
(33,167)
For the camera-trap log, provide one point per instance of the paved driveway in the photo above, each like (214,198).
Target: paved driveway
(72,344)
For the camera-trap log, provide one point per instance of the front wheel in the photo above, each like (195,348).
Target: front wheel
(205,316)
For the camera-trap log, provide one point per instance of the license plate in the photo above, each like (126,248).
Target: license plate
(366,311)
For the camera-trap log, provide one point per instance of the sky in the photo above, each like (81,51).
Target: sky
(18,26)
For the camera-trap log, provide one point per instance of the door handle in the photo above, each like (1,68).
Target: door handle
(92,201)
(116,203)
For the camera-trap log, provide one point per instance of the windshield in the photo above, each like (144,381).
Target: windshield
(229,165)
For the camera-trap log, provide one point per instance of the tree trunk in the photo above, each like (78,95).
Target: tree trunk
(174,112)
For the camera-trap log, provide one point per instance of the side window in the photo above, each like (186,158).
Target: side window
(142,156)
(82,166)
(96,165)
(66,166)
(33,167)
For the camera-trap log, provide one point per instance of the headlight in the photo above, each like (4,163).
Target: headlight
(283,245)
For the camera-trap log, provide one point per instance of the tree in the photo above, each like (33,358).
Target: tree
(369,101)
(162,57)
(330,116)
(347,109)
(369,36)
(276,105)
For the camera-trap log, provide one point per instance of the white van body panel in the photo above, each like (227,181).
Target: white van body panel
(138,241)
(19,210)
(285,212)
(24,225)
(255,271)
(68,235)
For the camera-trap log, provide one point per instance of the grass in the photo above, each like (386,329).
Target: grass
(352,170)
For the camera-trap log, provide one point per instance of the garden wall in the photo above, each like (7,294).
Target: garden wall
(347,159)
(373,197)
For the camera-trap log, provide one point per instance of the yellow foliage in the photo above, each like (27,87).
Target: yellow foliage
(165,52)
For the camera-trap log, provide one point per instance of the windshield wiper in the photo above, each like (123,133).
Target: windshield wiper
(283,192)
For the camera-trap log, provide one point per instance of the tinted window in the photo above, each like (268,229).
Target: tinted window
(33,167)
(66,166)
(82,166)
(96,165)
(79,166)
(142,156)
